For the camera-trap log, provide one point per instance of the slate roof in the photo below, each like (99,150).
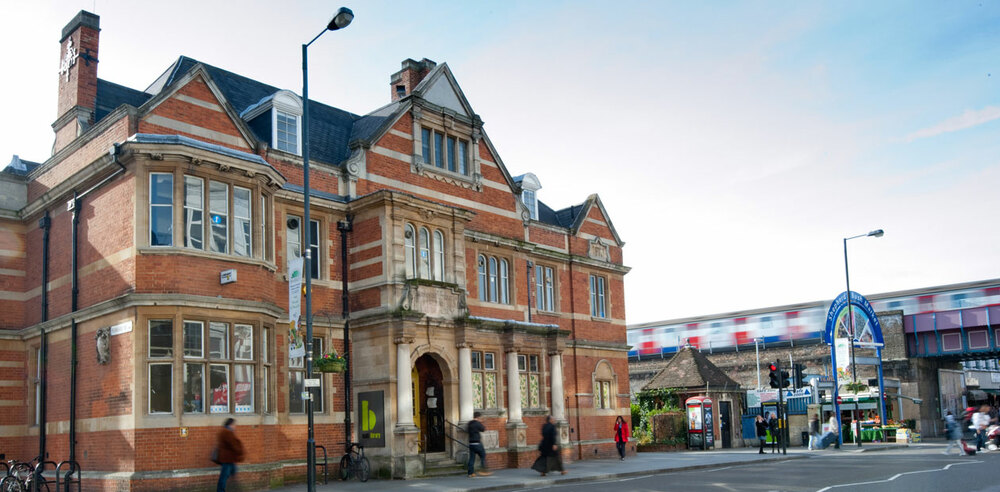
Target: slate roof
(330,129)
(689,368)
(20,167)
(111,95)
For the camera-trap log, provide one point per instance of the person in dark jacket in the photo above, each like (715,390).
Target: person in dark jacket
(814,442)
(772,425)
(761,426)
(229,451)
(621,436)
(475,429)
(550,458)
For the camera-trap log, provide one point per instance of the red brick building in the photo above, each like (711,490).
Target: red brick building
(156,240)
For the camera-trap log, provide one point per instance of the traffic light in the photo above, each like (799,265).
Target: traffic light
(777,377)
(800,376)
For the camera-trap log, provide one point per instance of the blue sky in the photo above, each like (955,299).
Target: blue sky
(733,143)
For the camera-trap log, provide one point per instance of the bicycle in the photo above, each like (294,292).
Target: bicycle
(354,463)
(21,477)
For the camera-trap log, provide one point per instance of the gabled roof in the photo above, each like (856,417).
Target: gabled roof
(20,167)
(689,368)
(330,129)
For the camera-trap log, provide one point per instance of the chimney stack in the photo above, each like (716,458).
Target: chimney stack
(77,78)
(403,81)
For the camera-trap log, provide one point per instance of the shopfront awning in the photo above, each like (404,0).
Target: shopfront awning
(976,395)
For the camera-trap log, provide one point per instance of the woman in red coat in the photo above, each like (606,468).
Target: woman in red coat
(621,436)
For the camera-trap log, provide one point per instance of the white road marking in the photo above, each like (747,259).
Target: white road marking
(945,468)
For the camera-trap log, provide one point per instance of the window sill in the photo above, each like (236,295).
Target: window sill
(491,412)
(535,412)
(556,314)
(600,319)
(492,303)
(175,250)
(473,182)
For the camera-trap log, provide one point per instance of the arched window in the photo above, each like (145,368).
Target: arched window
(424,262)
(493,279)
(604,385)
(410,255)
(503,282)
(482,277)
(438,255)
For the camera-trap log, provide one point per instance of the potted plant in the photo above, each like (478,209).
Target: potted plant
(330,362)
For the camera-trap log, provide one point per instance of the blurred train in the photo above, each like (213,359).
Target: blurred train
(798,323)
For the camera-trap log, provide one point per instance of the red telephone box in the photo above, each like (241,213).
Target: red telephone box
(701,427)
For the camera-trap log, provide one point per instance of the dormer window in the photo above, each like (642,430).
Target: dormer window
(279,114)
(286,133)
(529,192)
(528,197)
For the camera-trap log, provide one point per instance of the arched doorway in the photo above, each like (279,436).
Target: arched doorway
(430,405)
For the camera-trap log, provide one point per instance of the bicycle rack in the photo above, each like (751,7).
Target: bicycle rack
(324,465)
(38,474)
(72,468)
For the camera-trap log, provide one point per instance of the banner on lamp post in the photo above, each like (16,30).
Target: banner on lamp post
(296,346)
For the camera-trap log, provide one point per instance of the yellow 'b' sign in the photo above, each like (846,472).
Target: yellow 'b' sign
(367,417)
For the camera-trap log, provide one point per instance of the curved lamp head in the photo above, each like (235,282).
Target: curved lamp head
(341,20)
(876,233)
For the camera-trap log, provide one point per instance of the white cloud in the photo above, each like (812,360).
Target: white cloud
(968,119)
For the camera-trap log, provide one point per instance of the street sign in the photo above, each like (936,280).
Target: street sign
(311,383)
(868,344)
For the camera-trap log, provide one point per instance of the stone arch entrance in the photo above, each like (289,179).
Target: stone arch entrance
(430,405)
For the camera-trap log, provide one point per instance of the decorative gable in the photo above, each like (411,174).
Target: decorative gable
(195,108)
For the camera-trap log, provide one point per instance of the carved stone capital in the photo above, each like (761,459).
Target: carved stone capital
(402,339)
(462,345)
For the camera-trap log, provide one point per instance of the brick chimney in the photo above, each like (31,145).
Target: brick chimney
(403,81)
(77,78)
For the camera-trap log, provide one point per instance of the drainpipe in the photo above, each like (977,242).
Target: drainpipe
(576,363)
(74,303)
(46,224)
(73,329)
(345,226)
(527,281)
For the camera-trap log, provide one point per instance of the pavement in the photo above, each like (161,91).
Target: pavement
(592,470)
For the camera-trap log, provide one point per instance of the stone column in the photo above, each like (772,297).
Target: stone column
(465,397)
(513,389)
(555,371)
(404,383)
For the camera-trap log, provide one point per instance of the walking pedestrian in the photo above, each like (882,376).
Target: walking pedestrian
(475,428)
(814,432)
(953,432)
(228,451)
(980,420)
(549,458)
(761,426)
(621,436)
(772,425)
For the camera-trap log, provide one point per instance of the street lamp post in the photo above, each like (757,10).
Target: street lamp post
(850,317)
(340,20)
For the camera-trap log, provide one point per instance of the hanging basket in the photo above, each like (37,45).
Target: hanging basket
(329,365)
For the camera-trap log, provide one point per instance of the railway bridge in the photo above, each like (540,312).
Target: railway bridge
(927,334)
